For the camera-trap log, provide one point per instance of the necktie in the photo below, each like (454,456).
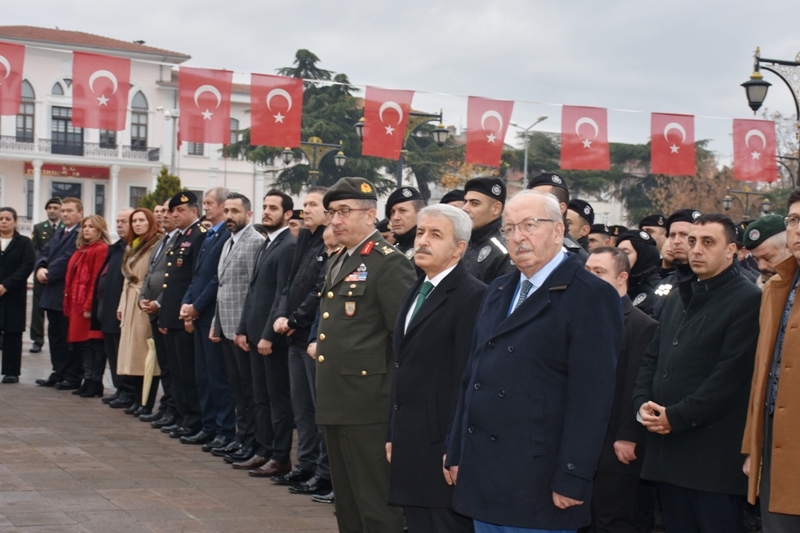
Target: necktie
(229,247)
(424,291)
(523,293)
(787,310)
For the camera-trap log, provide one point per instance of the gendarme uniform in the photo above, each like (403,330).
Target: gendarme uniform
(759,231)
(43,232)
(486,256)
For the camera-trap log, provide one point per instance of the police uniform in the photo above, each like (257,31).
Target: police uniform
(42,233)
(584,210)
(554,180)
(644,278)
(486,256)
(404,242)
(358,309)
(680,271)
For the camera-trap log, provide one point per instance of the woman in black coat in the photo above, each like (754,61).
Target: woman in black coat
(16,264)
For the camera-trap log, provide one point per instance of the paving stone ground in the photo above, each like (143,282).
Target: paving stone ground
(73,465)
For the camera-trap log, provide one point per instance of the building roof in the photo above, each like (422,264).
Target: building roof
(82,39)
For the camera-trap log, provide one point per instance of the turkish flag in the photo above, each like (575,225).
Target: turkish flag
(754,157)
(487,123)
(12,57)
(584,138)
(672,145)
(276,105)
(100,86)
(205,105)
(385,119)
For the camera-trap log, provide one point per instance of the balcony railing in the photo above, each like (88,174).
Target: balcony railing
(87,150)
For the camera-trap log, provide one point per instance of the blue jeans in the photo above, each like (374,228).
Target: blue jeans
(483,527)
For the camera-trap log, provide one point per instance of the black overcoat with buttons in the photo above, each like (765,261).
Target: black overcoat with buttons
(430,357)
(699,366)
(536,400)
(181,258)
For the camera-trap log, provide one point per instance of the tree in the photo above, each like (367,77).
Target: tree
(167,186)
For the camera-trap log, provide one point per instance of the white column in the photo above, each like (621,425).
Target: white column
(258,193)
(114,190)
(37,188)
(154,183)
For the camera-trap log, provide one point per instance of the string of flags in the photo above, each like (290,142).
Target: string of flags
(101,83)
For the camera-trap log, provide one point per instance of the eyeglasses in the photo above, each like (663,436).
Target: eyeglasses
(527,226)
(343,212)
(791,222)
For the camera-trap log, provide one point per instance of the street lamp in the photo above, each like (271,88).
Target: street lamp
(733,194)
(173,115)
(526,135)
(315,150)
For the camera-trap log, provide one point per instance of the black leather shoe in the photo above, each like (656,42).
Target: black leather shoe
(170,428)
(46,382)
(121,403)
(233,446)
(108,399)
(143,411)
(198,438)
(133,408)
(245,453)
(10,379)
(316,486)
(67,385)
(295,477)
(182,432)
(165,421)
(36,348)
(323,498)
(83,388)
(152,417)
(220,441)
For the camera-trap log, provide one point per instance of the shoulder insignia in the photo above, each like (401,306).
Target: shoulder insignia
(202,229)
(409,253)
(368,248)
(387,250)
(499,244)
(639,299)
(484,253)
(663,290)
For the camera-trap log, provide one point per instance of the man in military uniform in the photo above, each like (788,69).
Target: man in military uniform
(580,217)
(181,257)
(599,235)
(656,226)
(402,208)
(360,300)
(766,240)
(486,256)
(554,184)
(678,225)
(42,233)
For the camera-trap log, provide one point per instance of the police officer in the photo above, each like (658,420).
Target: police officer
(580,215)
(402,208)
(599,235)
(557,186)
(42,233)
(678,225)
(454,198)
(644,259)
(616,231)
(656,226)
(487,256)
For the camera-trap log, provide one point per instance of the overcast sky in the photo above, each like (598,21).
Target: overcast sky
(683,56)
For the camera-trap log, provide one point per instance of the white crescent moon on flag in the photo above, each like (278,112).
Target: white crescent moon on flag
(587,120)
(674,126)
(279,92)
(391,105)
(493,114)
(756,133)
(102,74)
(6,64)
(207,89)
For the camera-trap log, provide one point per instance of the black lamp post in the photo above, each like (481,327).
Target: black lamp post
(733,194)
(315,150)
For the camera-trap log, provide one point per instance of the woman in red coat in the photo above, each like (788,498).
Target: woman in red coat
(84,267)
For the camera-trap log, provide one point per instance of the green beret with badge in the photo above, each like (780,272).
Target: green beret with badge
(762,229)
(350,189)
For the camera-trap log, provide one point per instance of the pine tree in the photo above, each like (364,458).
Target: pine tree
(167,186)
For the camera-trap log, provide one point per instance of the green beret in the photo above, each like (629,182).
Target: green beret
(54,200)
(762,229)
(350,189)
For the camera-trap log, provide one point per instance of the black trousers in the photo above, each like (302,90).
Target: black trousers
(123,384)
(138,384)
(167,399)
(93,359)
(697,511)
(37,314)
(311,453)
(436,520)
(12,353)
(66,362)
(614,502)
(240,378)
(273,403)
(180,357)
(213,389)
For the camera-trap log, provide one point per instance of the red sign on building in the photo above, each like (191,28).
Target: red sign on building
(50,170)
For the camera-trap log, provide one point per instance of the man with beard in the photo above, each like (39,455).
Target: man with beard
(766,240)
(402,208)
(486,256)
(678,225)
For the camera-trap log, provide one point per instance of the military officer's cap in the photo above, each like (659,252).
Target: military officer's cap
(456,195)
(297,214)
(601,229)
(182,198)
(53,200)
(492,187)
(583,208)
(617,230)
(398,196)
(547,178)
(762,229)
(350,189)
(636,235)
(657,221)
(683,215)
(383,226)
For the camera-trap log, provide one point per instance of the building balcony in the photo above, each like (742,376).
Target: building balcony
(38,147)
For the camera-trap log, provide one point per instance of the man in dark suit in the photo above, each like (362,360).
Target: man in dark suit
(216,398)
(617,478)
(269,351)
(181,257)
(51,271)
(42,233)
(431,347)
(537,393)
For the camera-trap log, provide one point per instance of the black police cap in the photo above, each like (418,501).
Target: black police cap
(656,220)
(456,195)
(398,196)
(490,186)
(547,178)
(683,215)
(583,208)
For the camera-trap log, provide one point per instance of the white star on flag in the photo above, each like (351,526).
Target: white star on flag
(389,130)
(587,143)
(674,149)
(102,100)
(756,155)
(207,114)
(491,138)
(279,118)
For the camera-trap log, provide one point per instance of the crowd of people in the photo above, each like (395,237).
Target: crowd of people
(484,364)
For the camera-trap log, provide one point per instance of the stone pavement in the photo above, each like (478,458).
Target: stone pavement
(73,465)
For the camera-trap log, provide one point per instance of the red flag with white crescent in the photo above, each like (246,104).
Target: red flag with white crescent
(584,138)
(100,86)
(487,123)
(12,58)
(672,149)
(385,119)
(205,105)
(754,150)
(276,106)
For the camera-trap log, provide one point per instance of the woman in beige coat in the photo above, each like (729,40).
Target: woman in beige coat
(143,238)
